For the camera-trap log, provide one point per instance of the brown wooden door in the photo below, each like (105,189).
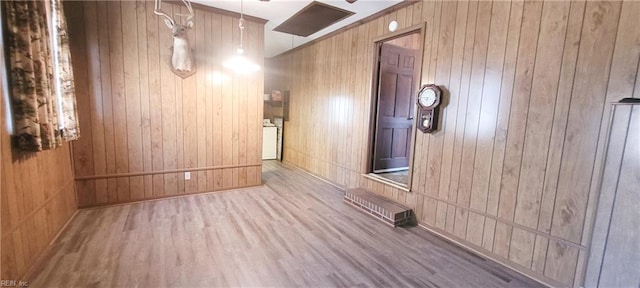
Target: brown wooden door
(396,89)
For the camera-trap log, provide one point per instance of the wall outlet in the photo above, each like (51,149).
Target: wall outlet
(187,175)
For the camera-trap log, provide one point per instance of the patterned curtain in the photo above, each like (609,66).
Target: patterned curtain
(70,125)
(33,77)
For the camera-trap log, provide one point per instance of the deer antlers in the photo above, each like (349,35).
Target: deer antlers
(182,62)
(158,11)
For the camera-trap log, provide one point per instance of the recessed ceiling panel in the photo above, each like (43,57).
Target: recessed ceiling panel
(312,18)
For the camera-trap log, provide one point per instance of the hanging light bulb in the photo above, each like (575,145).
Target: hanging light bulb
(240,63)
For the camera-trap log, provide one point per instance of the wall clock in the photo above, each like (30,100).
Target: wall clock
(429,98)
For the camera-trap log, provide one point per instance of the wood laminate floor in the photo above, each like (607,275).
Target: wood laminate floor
(293,231)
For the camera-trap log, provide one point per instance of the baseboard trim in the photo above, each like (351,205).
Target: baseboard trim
(314,175)
(158,198)
(549,282)
(172,171)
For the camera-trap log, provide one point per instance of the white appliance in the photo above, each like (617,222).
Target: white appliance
(269,142)
(614,255)
(279,122)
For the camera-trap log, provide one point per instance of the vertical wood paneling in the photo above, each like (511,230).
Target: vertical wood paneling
(538,126)
(145,104)
(37,199)
(233,112)
(84,106)
(622,83)
(189,115)
(145,119)
(519,107)
(539,254)
(510,170)
(521,94)
(596,49)
(107,103)
(209,84)
(459,218)
(200,122)
(434,157)
(37,192)
(563,101)
(504,110)
(168,99)
(544,87)
(254,103)
(227,109)
(489,116)
(216,103)
(490,104)
(132,80)
(3,213)
(473,224)
(115,46)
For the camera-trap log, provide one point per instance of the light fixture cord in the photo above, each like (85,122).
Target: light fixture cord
(241,23)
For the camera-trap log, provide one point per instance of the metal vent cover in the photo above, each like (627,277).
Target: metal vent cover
(312,18)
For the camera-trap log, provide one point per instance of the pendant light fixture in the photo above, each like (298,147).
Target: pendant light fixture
(240,63)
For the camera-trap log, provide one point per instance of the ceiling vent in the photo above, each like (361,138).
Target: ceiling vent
(312,18)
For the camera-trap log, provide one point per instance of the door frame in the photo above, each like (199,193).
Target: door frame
(373,109)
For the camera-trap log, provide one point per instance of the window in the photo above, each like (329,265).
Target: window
(40,81)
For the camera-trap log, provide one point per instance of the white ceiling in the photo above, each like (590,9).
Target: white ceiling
(277,11)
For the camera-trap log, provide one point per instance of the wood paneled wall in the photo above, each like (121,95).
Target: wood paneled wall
(143,126)
(38,198)
(615,248)
(513,170)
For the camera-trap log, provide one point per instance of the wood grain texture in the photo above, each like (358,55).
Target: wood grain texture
(37,198)
(623,82)
(588,97)
(141,119)
(511,171)
(2,122)
(294,231)
(615,253)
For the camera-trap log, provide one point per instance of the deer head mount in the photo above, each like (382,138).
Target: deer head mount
(182,62)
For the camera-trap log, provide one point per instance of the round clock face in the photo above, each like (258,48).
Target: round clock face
(427,97)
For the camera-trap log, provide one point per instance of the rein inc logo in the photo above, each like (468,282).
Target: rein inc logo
(13,283)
